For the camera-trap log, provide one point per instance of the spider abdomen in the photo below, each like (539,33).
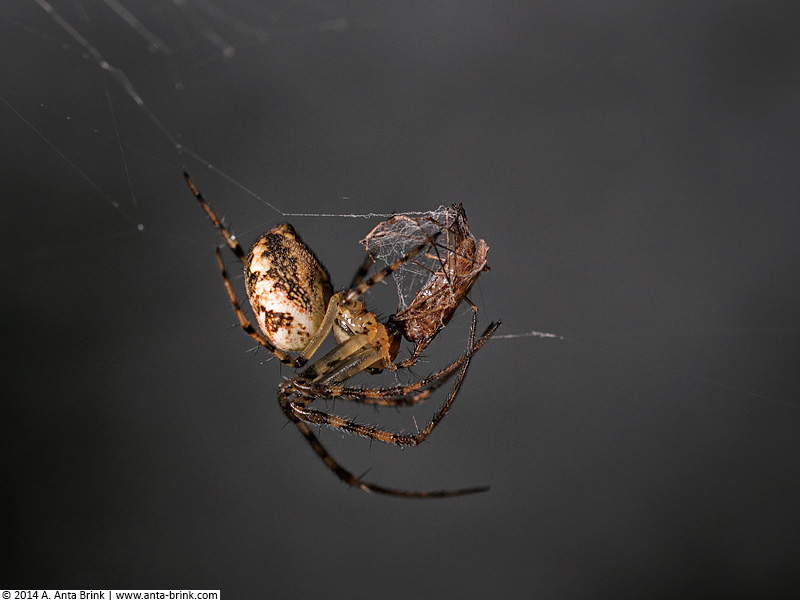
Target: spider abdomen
(288,288)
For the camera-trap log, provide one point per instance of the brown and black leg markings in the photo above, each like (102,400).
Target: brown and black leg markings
(362,271)
(297,411)
(361,288)
(350,478)
(230,239)
(398,395)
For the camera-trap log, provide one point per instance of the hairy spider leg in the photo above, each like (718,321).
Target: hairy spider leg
(326,386)
(285,398)
(230,239)
(361,288)
(400,395)
(362,271)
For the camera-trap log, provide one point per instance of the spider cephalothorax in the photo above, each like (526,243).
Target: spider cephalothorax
(296,308)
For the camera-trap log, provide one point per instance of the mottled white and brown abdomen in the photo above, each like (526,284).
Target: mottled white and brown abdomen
(288,288)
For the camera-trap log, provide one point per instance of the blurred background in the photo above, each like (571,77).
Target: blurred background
(633,168)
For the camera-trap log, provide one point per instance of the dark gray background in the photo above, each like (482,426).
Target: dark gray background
(633,167)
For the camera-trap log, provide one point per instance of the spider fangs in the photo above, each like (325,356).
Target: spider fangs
(292,297)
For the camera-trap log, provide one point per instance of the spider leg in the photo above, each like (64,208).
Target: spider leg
(230,239)
(324,329)
(345,350)
(356,354)
(399,395)
(362,271)
(420,346)
(439,415)
(345,360)
(361,288)
(389,396)
(350,478)
(299,407)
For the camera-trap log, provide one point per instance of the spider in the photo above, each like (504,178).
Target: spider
(292,298)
